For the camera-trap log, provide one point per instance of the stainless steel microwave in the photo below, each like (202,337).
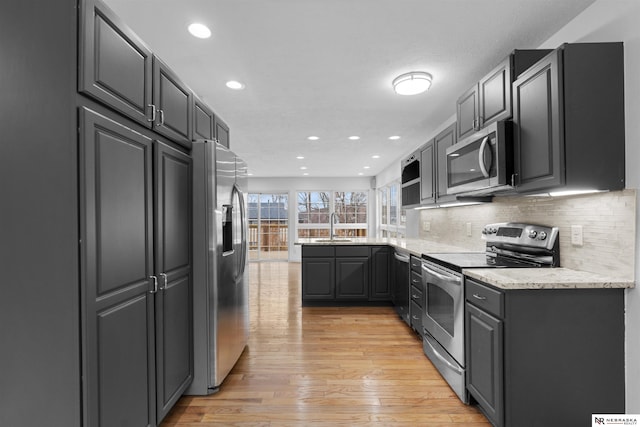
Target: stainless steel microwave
(482,163)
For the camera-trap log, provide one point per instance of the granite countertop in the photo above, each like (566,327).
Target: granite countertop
(503,278)
(545,278)
(416,247)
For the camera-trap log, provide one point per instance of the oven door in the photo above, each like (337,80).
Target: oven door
(443,315)
(480,163)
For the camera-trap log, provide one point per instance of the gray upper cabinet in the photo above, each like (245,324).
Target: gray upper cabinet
(467,113)
(222,132)
(115,65)
(485,102)
(118,69)
(172,102)
(433,167)
(427,181)
(569,132)
(490,99)
(203,120)
(442,141)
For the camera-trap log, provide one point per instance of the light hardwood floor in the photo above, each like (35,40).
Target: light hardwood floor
(358,366)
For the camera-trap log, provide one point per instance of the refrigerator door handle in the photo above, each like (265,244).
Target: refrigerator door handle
(243,225)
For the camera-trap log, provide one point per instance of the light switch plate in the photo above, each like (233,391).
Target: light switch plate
(426,226)
(576,235)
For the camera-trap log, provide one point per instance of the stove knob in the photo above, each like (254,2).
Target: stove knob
(542,235)
(533,234)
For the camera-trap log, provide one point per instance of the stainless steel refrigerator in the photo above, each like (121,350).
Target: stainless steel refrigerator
(220,279)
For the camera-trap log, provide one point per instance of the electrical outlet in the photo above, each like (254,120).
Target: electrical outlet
(468,229)
(576,235)
(426,226)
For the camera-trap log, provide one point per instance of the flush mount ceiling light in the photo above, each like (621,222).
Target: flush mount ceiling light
(200,31)
(235,85)
(412,83)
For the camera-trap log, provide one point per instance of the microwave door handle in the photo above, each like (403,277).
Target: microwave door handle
(483,147)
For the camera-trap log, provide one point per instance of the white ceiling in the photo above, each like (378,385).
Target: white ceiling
(324,67)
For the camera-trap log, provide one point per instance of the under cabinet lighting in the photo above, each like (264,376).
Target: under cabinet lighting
(573,192)
(200,31)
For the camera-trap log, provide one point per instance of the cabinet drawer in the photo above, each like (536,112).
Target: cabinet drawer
(416,296)
(416,318)
(416,280)
(484,297)
(416,264)
(352,251)
(318,251)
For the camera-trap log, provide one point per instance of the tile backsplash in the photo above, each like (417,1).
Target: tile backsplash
(608,222)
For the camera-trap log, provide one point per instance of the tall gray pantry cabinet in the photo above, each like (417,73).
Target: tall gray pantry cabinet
(96,223)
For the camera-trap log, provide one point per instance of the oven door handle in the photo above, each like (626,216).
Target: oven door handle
(443,359)
(447,277)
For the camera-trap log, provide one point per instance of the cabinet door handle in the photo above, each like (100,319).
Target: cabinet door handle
(161,122)
(414,317)
(153,113)
(414,296)
(481,298)
(164,278)
(155,284)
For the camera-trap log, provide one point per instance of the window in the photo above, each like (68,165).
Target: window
(392,219)
(315,208)
(268,227)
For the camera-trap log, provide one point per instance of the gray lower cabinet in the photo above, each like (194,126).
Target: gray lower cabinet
(345,273)
(545,357)
(416,307)
(136,270)
(318,273)
(380,277)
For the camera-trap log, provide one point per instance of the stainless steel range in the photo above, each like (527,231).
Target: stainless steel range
(507,245)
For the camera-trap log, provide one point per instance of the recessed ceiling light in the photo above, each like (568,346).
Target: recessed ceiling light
(367,167)
(354,138)
(200,31)
(394,137)
(249,174)
(300,157)
(235,85)
(412,83)
(303,167)
(306,173)
(360,173)
(313,138)
(375,156)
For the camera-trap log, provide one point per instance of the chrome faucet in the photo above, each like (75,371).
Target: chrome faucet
(332,221)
